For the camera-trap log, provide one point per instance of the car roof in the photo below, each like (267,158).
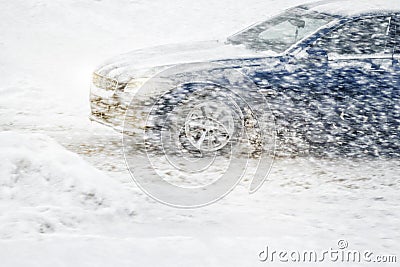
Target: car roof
(350,8)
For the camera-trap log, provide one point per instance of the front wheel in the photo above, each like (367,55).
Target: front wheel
(207,120)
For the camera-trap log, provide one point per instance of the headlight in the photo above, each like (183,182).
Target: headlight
(105,83)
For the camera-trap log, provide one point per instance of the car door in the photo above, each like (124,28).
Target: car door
(396,49)
(394,118)
(355,97)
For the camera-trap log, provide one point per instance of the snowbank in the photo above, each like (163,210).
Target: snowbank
(45,188)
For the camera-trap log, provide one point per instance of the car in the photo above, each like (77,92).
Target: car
(329,72)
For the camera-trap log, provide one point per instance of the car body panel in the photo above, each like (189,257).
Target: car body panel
(144,62)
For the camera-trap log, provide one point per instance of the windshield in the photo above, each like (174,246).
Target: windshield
(281,32)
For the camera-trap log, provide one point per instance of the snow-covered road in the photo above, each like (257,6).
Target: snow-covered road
(66,198)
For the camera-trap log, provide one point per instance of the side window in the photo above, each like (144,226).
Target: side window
(363,36)
(397,34)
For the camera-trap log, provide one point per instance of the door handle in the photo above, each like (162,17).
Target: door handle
(267,92)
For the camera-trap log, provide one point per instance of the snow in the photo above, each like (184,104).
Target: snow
(66,198)
(46,188)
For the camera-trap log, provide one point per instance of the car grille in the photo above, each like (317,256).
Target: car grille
(107,110)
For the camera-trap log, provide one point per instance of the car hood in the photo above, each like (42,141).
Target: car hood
(146,62)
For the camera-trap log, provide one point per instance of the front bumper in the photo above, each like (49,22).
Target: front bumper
(111,110)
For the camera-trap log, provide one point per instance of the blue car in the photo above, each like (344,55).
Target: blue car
(328,74)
